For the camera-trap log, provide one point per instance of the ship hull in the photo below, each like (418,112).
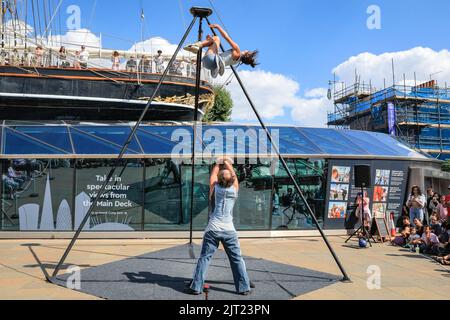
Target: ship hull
(54,93)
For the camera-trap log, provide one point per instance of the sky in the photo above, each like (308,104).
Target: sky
(302,43)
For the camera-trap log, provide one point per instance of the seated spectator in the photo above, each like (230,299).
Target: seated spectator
(419,226)
(131,65)
(444,238)
(430,242)
(444,260)
(401,239)
(414,239)
(435,225)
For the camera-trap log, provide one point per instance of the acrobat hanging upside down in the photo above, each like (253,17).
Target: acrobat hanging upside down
(215,61)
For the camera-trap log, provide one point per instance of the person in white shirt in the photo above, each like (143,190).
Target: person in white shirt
(416,204)
(159,62)
(84,58)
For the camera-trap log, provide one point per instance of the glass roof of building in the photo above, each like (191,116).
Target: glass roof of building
(78,140)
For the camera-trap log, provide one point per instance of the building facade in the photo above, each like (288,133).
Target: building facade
(418,115)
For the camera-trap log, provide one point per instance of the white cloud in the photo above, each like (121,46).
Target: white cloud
(276,95)
(73,39)
(154,44)
(422,61)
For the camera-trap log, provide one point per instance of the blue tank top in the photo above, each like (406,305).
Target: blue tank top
(221,219)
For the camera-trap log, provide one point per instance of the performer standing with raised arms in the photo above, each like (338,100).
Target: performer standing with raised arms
(224,185)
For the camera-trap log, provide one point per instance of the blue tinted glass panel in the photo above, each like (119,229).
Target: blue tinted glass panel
(57,136)
(153,144)
(86,144)
(400,148)
(234,139)
(15,143)
(292,141)
(371,145)
(115,134)
(165,132)
(332,142)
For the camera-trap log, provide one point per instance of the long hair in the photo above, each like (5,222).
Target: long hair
(419,191)
(223,182)
(250,58)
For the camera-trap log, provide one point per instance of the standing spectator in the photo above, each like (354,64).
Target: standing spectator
(433,205)
(131,64)
(38,56)
(416,204)
(363,207)
(159,62)
(63,63)
(15,58)
(115,59)
(145,64)
(26,58)
(442,209)
(76,62)
(84,57)
(430,196)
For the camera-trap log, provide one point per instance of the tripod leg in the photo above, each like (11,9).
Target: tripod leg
(354,234)
(122,152)
(286,167)
(194,140)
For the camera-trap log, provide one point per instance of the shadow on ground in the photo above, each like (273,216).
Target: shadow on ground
(163,275)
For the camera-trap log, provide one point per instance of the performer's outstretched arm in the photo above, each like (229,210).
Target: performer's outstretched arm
(213,180)
(226,36)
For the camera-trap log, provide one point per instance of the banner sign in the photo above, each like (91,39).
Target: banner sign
(391,119)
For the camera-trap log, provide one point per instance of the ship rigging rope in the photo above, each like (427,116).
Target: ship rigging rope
(34,20)
(53,17)
(94,6)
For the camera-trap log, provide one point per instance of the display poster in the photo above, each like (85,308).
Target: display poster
(386,195)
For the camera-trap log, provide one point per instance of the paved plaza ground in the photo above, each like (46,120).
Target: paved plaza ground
(404,275)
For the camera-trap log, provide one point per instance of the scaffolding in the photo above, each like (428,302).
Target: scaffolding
(420,113)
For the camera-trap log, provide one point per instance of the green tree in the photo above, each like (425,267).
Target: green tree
(446,166)
(222,108)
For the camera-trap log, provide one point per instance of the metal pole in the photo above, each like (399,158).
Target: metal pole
(283,162)
(122,152)
(197,100)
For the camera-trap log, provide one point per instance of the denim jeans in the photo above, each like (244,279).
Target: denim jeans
(230,242)
(416,213)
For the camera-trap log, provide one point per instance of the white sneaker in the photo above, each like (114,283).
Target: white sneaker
(194,48)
